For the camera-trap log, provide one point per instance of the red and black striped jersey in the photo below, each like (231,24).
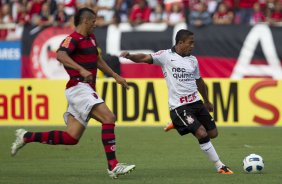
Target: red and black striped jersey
(83,50)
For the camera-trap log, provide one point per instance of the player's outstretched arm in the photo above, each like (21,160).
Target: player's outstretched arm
(137,58)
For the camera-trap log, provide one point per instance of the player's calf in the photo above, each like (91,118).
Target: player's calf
(52,137)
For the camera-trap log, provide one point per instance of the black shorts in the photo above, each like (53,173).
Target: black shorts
(188,118)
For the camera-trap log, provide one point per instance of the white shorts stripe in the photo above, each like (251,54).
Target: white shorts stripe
(180,118)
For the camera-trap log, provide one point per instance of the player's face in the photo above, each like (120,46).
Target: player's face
(91,24)
(187,45)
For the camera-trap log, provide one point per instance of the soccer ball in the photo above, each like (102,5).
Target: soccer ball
(253,163)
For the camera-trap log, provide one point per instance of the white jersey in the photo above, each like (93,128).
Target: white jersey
(180,74)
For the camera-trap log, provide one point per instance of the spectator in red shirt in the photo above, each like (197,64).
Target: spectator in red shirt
(22,16)
(257,15)
(140,13)
(6,14)
(223,15)
(34,7)
(5,18)
(276,15)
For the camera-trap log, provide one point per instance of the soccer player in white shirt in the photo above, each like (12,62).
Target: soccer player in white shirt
(188,112)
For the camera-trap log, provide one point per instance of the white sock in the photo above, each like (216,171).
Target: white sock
(209,150)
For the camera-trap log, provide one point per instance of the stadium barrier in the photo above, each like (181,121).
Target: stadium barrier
(41,102)
(229,51)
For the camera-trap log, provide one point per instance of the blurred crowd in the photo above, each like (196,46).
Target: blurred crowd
(15,14)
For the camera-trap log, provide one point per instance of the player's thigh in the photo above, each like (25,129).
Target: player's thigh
(74,127)
(102,113)
(207,121)
(184,121)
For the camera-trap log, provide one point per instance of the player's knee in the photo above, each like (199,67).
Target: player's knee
(201,133)
(110,118)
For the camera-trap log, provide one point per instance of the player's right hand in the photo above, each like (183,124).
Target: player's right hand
(121,81)
(209,106)
(88,76)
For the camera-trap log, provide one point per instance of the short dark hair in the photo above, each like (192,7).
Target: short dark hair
(182,35)
(80,14)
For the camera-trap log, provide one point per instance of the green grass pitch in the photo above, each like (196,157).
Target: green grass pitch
(160,158)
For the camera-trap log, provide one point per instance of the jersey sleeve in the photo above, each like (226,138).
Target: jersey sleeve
(68,45)
(158,57)
(197,69)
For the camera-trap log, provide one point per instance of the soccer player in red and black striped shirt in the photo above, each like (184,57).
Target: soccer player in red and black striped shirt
(79,55)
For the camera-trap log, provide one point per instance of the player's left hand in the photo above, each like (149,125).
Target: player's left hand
(209,106)
(120,80)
